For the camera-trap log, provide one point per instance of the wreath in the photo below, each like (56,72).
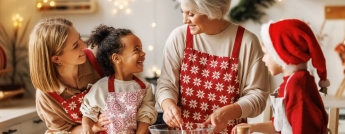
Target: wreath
(249,9)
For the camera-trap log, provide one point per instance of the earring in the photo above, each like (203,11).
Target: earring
(59,63)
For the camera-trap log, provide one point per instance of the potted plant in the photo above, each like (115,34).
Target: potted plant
(16,78)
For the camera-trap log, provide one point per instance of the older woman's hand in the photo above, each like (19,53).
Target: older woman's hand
(172,116)
(219,120)
(220,117)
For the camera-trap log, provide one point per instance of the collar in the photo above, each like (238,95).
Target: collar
(83,70)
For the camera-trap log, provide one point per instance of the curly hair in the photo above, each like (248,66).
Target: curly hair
(108,40)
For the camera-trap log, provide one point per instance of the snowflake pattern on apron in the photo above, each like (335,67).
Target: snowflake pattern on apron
(72,105)
(208,82)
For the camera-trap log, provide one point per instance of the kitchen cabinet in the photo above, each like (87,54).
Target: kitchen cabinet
(19,116)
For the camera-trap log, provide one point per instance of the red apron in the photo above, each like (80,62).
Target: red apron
(72,105)
(208,82)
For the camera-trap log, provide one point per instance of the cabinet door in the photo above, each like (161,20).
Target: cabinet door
(15,129)
(34,126)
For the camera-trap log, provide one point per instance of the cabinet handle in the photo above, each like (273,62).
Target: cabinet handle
(10,131)
(37,121)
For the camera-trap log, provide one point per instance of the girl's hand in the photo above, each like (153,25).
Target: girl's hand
(101,123)
(234,129)
(172,116)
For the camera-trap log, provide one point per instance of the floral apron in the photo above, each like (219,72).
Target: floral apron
(208,82)
(281,124)
(72,105)
(121,108)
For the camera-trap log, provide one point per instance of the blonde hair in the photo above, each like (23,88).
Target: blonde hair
(214,9)
(46,40)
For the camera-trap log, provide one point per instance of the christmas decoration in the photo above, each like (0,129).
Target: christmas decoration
(249,9)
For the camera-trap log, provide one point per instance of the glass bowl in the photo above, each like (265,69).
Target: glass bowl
(186,128)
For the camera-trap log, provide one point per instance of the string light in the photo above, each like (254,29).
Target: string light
(150,47)
(17,20)
(121,5)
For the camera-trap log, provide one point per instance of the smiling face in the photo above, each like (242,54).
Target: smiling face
(198,23)
(73,53)
(272,66)
(132,55)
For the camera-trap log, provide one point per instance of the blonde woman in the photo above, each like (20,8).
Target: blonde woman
(61,67)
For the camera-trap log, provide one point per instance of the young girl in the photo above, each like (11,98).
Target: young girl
(298,108)
(126,100)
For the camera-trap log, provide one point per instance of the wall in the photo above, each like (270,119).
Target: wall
(144,12)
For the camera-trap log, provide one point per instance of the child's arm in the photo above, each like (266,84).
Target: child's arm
(147,112)
(142,128)
(87,125)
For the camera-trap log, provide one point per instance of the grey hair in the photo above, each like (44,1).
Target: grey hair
(214,9)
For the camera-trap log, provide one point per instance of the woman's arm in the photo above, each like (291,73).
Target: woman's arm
(254,75)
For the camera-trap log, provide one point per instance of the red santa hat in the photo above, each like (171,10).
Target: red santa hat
(292,43)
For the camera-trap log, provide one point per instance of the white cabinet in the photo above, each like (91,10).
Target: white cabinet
(20,117)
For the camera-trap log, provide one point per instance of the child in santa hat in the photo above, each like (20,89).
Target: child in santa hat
(298,108)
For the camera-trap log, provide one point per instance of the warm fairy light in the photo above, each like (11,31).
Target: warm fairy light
(153,24)
(39,5)
(45,1)
(154,68)
(115,11)
(52,3)
(121,5)
(128,11)
(17,21)
(150,47)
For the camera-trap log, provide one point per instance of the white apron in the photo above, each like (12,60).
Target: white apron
(280,121)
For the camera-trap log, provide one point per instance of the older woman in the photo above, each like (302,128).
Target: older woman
(61,68)
(212,70)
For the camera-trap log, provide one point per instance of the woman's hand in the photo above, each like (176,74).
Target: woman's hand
(101,123)
(172,116)
(220,117)
(234,129)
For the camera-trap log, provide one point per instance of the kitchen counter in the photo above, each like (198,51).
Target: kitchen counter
(16,111)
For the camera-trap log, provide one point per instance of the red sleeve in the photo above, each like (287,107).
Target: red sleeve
(302,109)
